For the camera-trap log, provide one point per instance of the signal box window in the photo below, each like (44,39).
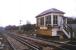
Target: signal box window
(55,19)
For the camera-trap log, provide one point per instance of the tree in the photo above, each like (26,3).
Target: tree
(28,27)
(71,20)
(11,27)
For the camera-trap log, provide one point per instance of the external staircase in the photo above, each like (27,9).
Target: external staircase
(67,31)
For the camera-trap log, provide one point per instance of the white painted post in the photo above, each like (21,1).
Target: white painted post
(66,20)
(52,20)
(44,21)
(39,21)
(36,21)
(61,20)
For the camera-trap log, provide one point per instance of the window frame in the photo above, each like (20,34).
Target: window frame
(55,19)
(48,20)
(42,21)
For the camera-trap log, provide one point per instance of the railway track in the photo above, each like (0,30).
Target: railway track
(29,43)
(5,45)
(36,44)
(66,45)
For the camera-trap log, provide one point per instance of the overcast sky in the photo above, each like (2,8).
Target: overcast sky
(11,11)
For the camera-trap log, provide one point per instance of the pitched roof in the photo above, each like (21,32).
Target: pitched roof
(53,10)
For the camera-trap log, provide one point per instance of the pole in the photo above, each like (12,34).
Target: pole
(20,25)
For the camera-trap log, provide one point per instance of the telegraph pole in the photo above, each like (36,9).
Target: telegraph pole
(20,25)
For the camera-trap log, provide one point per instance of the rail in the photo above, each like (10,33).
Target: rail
(11,45)
(20,39)
(48,44)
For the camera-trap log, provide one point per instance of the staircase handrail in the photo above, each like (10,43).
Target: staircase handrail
(70,30)
(66,28)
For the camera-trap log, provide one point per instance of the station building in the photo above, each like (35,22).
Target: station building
(51,23)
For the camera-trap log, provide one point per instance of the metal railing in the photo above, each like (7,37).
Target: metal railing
(69,29)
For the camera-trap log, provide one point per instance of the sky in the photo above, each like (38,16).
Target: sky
(12,11)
